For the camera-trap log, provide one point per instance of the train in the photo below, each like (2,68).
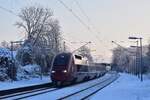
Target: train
(68,68)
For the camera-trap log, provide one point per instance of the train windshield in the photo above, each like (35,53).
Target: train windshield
(61,60)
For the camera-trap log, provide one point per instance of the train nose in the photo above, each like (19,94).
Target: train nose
(61,71)
(59,75)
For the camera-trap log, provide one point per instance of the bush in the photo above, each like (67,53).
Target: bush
(7,69)
(12,71)
(3,75)
(24,56)
(28,71)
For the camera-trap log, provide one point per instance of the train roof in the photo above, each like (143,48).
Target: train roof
(64,53)
(69,53)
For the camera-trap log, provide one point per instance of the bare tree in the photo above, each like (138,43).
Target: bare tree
(5,44)
(148,53)
(121,59)
(33,20)
(44,36)
(85,52)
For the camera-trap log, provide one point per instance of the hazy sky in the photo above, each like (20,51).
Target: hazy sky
(109,20)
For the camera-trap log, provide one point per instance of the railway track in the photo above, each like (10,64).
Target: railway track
(30,93)
(23,90)
(83,93)
(86,93)
(27,95)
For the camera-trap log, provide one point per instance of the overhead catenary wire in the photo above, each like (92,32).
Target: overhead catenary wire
(74,14)
(82,22)
(70,43)
(121,46)
(11,12)
(82,10)
(7,10)
(88,19)
(79,19)
(86,16)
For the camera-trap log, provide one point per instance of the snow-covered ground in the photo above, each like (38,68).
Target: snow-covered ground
(55,95)
(23,83)
(127,87)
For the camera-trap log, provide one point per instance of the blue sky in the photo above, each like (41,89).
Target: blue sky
(112,20)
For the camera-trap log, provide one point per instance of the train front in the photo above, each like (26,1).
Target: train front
(60,72)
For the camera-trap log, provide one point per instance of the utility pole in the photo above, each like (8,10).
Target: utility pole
(141,58)
(64,46)
(137,59)
(12,56)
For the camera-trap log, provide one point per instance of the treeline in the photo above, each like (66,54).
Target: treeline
(43,41)
(129,60)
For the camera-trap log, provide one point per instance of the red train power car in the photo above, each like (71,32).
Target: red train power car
(69,68)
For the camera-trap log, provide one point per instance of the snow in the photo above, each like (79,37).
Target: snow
(31,68)
(28,72)
(5,52)
(67,90)
(27,75)
(127,87)
(23,83)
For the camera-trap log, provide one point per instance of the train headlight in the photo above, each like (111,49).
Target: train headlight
(65,71)
(53,71)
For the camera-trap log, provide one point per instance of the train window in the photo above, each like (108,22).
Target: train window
(78,57)
(82,68)
(61,60)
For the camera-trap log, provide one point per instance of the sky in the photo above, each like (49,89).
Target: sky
(109,20)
